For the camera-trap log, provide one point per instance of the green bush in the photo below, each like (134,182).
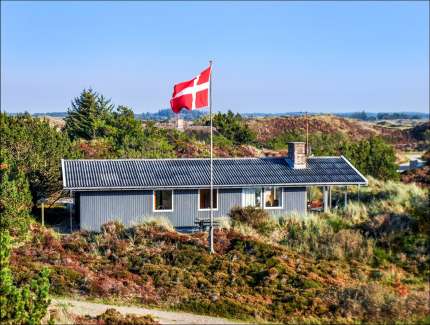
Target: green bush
(233,127)
(15,200)
(35,148)
(21,305)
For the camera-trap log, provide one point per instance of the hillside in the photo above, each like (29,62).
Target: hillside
(405,137)
(268,128)
(368,262)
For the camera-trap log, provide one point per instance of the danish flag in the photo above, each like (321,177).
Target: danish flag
(192,94)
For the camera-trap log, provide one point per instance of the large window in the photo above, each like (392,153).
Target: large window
(252,197)
(273,197)
(205,199)
(268,197)
(163,200)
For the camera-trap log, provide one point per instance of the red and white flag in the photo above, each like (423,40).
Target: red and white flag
(192,94)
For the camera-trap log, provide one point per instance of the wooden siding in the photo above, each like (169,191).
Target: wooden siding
(130,207)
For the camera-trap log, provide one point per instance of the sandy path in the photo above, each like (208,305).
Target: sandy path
(80,307)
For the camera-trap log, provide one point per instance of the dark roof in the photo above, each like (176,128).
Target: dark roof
(183,173)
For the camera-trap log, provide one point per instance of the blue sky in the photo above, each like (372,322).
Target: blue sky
(268,57)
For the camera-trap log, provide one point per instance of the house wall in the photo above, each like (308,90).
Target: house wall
(129,207)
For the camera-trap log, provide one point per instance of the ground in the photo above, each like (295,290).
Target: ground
(66,309)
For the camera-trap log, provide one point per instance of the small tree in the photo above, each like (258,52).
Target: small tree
(373,157)
(25,305)
(89,117)
(233,127)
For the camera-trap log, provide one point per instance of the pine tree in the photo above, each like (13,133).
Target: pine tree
(89,116)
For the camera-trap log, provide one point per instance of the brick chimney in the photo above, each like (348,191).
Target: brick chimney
(297,155)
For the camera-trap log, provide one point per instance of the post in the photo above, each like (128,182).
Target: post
(329,195)
(43,214)
(211,227)
(325,191)
(70,214)
(346,196)
(307,134)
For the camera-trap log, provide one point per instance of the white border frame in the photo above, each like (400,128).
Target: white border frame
(254,188)
(198,199)
(63,173)
(282,198)
(153,201)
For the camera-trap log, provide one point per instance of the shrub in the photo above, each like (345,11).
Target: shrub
(21,305)
(256,218)
(162,222)
(355,212)
(316,237)
(375,303)
(15,200)
(113,317)
(35,149)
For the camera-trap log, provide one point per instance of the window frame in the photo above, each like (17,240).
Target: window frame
(253,188)
(263,200)
(282,198)
(198,199)
(153,201)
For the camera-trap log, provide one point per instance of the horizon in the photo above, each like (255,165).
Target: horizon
(206,111)
(315,57)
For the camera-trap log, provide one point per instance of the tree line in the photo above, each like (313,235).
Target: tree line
(94,128)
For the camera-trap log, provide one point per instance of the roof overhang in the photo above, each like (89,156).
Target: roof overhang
(131,188)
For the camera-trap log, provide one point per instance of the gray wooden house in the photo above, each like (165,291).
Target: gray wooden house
(131,189)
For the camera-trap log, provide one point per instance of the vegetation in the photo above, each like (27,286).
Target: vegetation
(167,114)
(113,317)
(396,116)
(367,262)
(232,127)
(371,156)
(25,304)
(88,117)
(34,148)
(257,219)
(15,200)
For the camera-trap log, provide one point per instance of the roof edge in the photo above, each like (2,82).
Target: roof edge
(355,169)
(194,158)
(215,186)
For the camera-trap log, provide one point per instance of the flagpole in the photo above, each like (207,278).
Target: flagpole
(211,227)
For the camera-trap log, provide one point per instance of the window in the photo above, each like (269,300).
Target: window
(163,200)
(273,197)
(205,199)
(252,197)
